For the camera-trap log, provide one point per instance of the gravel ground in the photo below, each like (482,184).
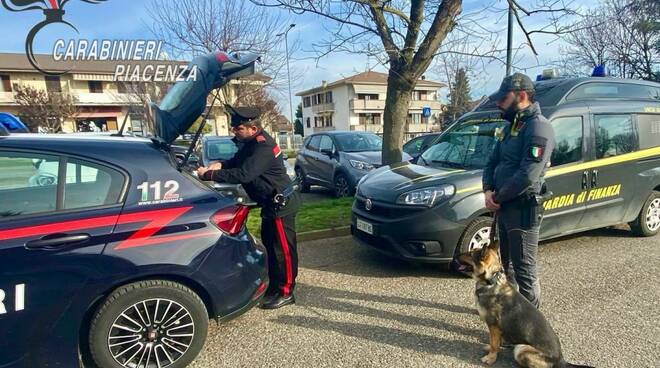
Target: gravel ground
(356,308)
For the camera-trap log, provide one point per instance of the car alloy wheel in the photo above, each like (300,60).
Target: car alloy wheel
(151,333)
(653,215)
(480,239)
(341,186)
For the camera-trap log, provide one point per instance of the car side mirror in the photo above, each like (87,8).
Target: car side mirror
(328,152)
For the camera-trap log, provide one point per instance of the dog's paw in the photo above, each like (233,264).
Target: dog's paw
(489,359)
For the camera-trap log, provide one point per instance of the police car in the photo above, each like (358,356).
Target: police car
(605,171)
(118,259)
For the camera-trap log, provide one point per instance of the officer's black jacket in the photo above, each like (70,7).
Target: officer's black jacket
(259,167)
(515,166)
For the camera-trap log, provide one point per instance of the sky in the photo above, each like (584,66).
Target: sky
(129,19)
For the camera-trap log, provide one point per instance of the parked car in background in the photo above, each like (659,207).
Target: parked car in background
(338,160)
(417,145)
(223,148)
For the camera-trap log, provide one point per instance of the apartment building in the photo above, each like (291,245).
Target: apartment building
(357,103)
(102,103)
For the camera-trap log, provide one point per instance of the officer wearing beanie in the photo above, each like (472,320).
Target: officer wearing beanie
(259,167)
(513,181)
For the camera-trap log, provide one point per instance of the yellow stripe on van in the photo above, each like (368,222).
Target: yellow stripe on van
(645,153)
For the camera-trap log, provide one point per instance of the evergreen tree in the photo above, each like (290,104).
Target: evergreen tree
(298,124)
(459,98)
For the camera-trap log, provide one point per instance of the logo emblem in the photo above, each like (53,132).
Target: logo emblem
(54,12)
(368,204)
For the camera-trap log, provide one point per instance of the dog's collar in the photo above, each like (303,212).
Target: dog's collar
(495,278)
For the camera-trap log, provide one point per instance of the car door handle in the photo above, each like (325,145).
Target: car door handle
(585,179)
(54,241)
(594,178)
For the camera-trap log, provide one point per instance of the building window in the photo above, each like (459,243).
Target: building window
(367,96)
(5,86)
(329,120)
(414,119)
(309,122)
(307,101)
(53,84)
(328,97)
(420,95)
(366,119)
(95,86)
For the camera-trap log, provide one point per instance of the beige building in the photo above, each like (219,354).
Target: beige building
(357,103)
(102,103)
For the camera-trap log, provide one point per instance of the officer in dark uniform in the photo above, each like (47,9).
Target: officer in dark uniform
(259,167)
(513,181)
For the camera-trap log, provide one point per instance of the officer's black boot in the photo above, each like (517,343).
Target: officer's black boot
(278,301)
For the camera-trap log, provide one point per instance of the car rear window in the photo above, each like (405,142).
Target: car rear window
(220,150)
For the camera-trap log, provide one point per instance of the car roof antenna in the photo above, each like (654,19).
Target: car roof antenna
(120,133)
(198,133)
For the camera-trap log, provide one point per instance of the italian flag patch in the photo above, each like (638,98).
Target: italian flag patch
(537,151)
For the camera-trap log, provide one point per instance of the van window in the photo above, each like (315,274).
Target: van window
(91,185)
(614,90)
(614,135)
(568,138)
(466,145)
(28,183)
(649,130)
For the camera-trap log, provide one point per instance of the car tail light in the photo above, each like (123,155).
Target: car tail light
(231,219)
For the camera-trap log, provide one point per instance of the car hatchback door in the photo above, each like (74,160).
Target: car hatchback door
(56,215)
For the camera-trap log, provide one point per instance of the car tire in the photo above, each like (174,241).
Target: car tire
(304,185)
(476,235)
(181,336)
(647,222)
(342,186)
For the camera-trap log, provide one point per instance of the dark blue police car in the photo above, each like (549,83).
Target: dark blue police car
(109,254)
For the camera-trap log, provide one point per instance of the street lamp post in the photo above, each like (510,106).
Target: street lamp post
(288,71)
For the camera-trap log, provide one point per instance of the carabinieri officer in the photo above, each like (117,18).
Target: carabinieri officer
(513,181)
(259,167)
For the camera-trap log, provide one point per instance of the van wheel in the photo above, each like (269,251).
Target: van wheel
(475,236)
(149,323)
(304,185)
(647,222)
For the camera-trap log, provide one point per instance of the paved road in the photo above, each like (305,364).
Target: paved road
(358,309)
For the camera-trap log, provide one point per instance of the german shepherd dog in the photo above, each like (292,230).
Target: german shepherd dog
(508,314)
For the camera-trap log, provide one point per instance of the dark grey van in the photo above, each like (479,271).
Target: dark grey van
(605,171)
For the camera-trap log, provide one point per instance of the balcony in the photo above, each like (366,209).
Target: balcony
(357,104)
(324,107)
(371,128)
(435,106)
(7,98)
(106,98)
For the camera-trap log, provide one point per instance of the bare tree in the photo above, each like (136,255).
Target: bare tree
(410,34)
(44,111)
(624,35)
(138,97)
(251,95)
(193,27)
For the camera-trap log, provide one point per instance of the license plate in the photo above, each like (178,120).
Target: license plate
(365,226)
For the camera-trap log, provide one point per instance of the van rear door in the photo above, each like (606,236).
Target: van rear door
(612,171)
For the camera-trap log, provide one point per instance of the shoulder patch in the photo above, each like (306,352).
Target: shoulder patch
(261,139)
(276,151)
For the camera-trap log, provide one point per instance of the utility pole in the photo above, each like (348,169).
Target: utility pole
(509,40)
(288,71)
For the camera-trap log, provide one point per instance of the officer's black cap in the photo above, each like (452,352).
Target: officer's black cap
(242,115)
(514,82)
